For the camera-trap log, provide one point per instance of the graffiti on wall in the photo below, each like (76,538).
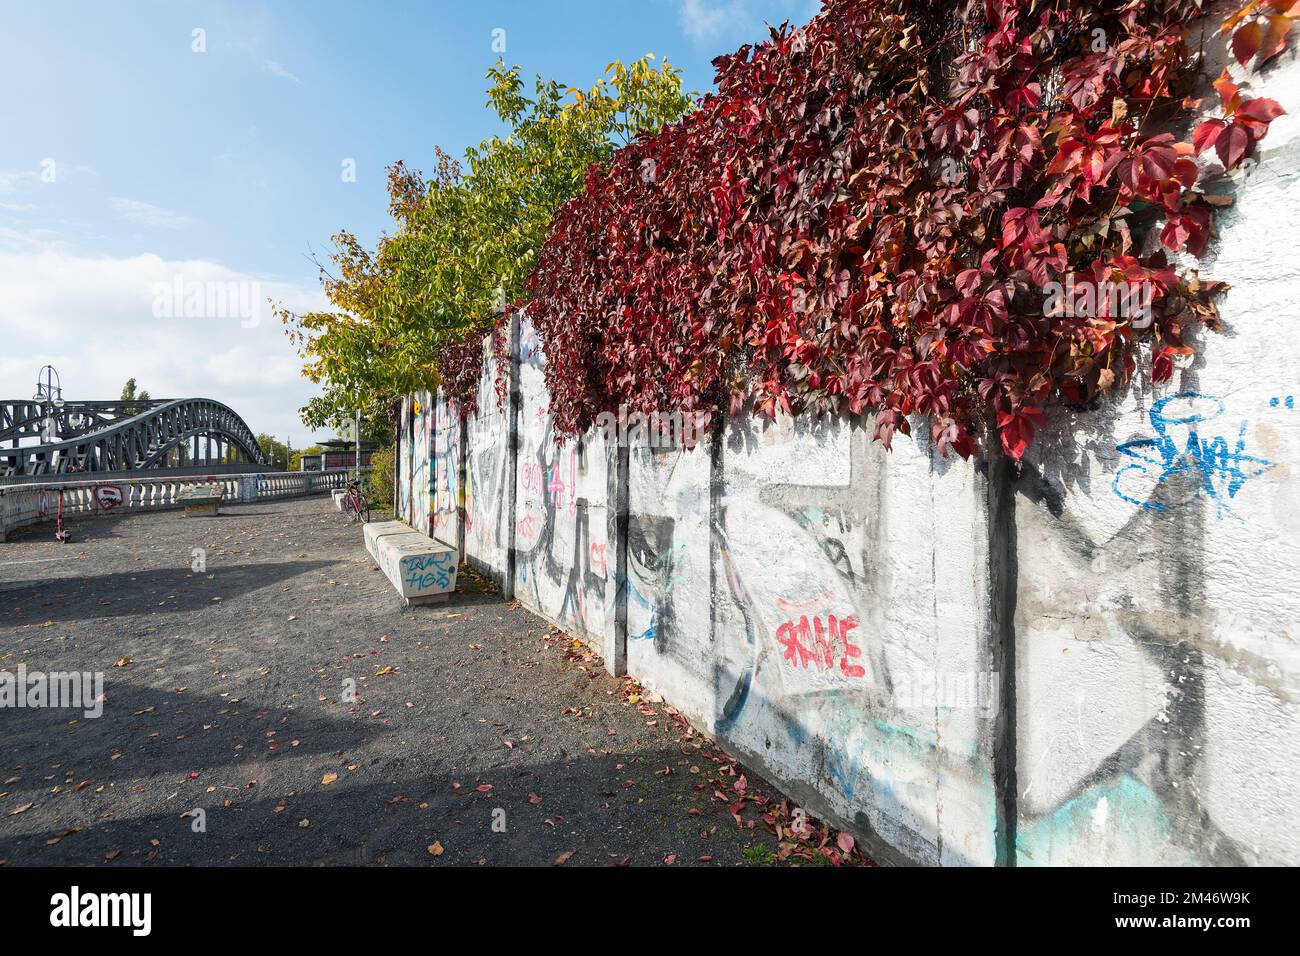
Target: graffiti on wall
(654,566)
(445,503)
(486,524)
(1195,453)
(407,449)
(560,533)
(423,429)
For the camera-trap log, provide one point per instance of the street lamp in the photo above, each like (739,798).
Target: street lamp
(49,393)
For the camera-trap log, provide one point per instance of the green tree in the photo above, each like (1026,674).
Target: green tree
(295,458)
(276,452)
(129,394)
(466,239)
(380,480)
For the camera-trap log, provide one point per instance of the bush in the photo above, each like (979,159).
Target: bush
(380,478)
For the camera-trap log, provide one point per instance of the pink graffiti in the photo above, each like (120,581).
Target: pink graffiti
(816,600)
(815,645)
(531,476)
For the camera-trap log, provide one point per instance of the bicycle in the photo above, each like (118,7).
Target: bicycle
(355,503)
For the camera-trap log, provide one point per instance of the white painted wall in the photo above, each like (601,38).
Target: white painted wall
(560,512)
(1158,618)
(487,522)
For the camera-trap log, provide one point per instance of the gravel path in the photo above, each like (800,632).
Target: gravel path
(479,734)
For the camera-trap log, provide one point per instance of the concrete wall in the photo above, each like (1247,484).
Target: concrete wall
(487,521)
(748,559)
(1157,542)
(1090,658)
(560,512)
(445,501)
(794,591)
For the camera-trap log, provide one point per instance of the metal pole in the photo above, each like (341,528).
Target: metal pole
(358,445)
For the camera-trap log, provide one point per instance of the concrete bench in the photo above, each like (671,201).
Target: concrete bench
(203,499)
(422,570)
(378,529)
(339,495)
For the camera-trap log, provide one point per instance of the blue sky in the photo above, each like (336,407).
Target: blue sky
(130,161)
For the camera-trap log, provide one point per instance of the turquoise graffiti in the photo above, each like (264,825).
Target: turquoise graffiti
(1188,458)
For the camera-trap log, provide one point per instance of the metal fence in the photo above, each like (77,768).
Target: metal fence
(27,504)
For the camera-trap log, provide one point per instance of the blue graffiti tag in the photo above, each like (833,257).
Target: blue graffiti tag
(1208,465)
(428,571)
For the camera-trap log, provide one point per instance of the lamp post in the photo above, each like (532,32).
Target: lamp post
(49,393)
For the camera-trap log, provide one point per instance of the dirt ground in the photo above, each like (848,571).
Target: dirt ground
(478,733)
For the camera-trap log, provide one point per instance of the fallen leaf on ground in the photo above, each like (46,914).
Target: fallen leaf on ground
(435,848)
(563,857)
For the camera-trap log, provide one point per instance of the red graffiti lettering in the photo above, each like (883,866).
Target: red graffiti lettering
(816,644)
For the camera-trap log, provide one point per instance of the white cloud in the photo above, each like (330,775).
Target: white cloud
(51,171)
(93,318)
(706,19)
(147,214)
(276,69)
(13,180)
(733,21)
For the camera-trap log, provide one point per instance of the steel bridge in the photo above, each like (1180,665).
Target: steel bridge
(121,436)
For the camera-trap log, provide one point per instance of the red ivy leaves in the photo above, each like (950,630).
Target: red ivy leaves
(1245,121)
(460,366)
(867,214)
(1261,29)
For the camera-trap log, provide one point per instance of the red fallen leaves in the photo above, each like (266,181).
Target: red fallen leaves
(847,224)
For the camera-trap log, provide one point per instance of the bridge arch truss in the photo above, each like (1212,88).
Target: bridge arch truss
(122,436)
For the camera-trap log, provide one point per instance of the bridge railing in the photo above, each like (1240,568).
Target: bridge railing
(28,504)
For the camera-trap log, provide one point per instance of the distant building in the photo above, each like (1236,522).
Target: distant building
(337,454)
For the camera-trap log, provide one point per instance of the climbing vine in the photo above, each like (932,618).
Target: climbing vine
(879,212)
